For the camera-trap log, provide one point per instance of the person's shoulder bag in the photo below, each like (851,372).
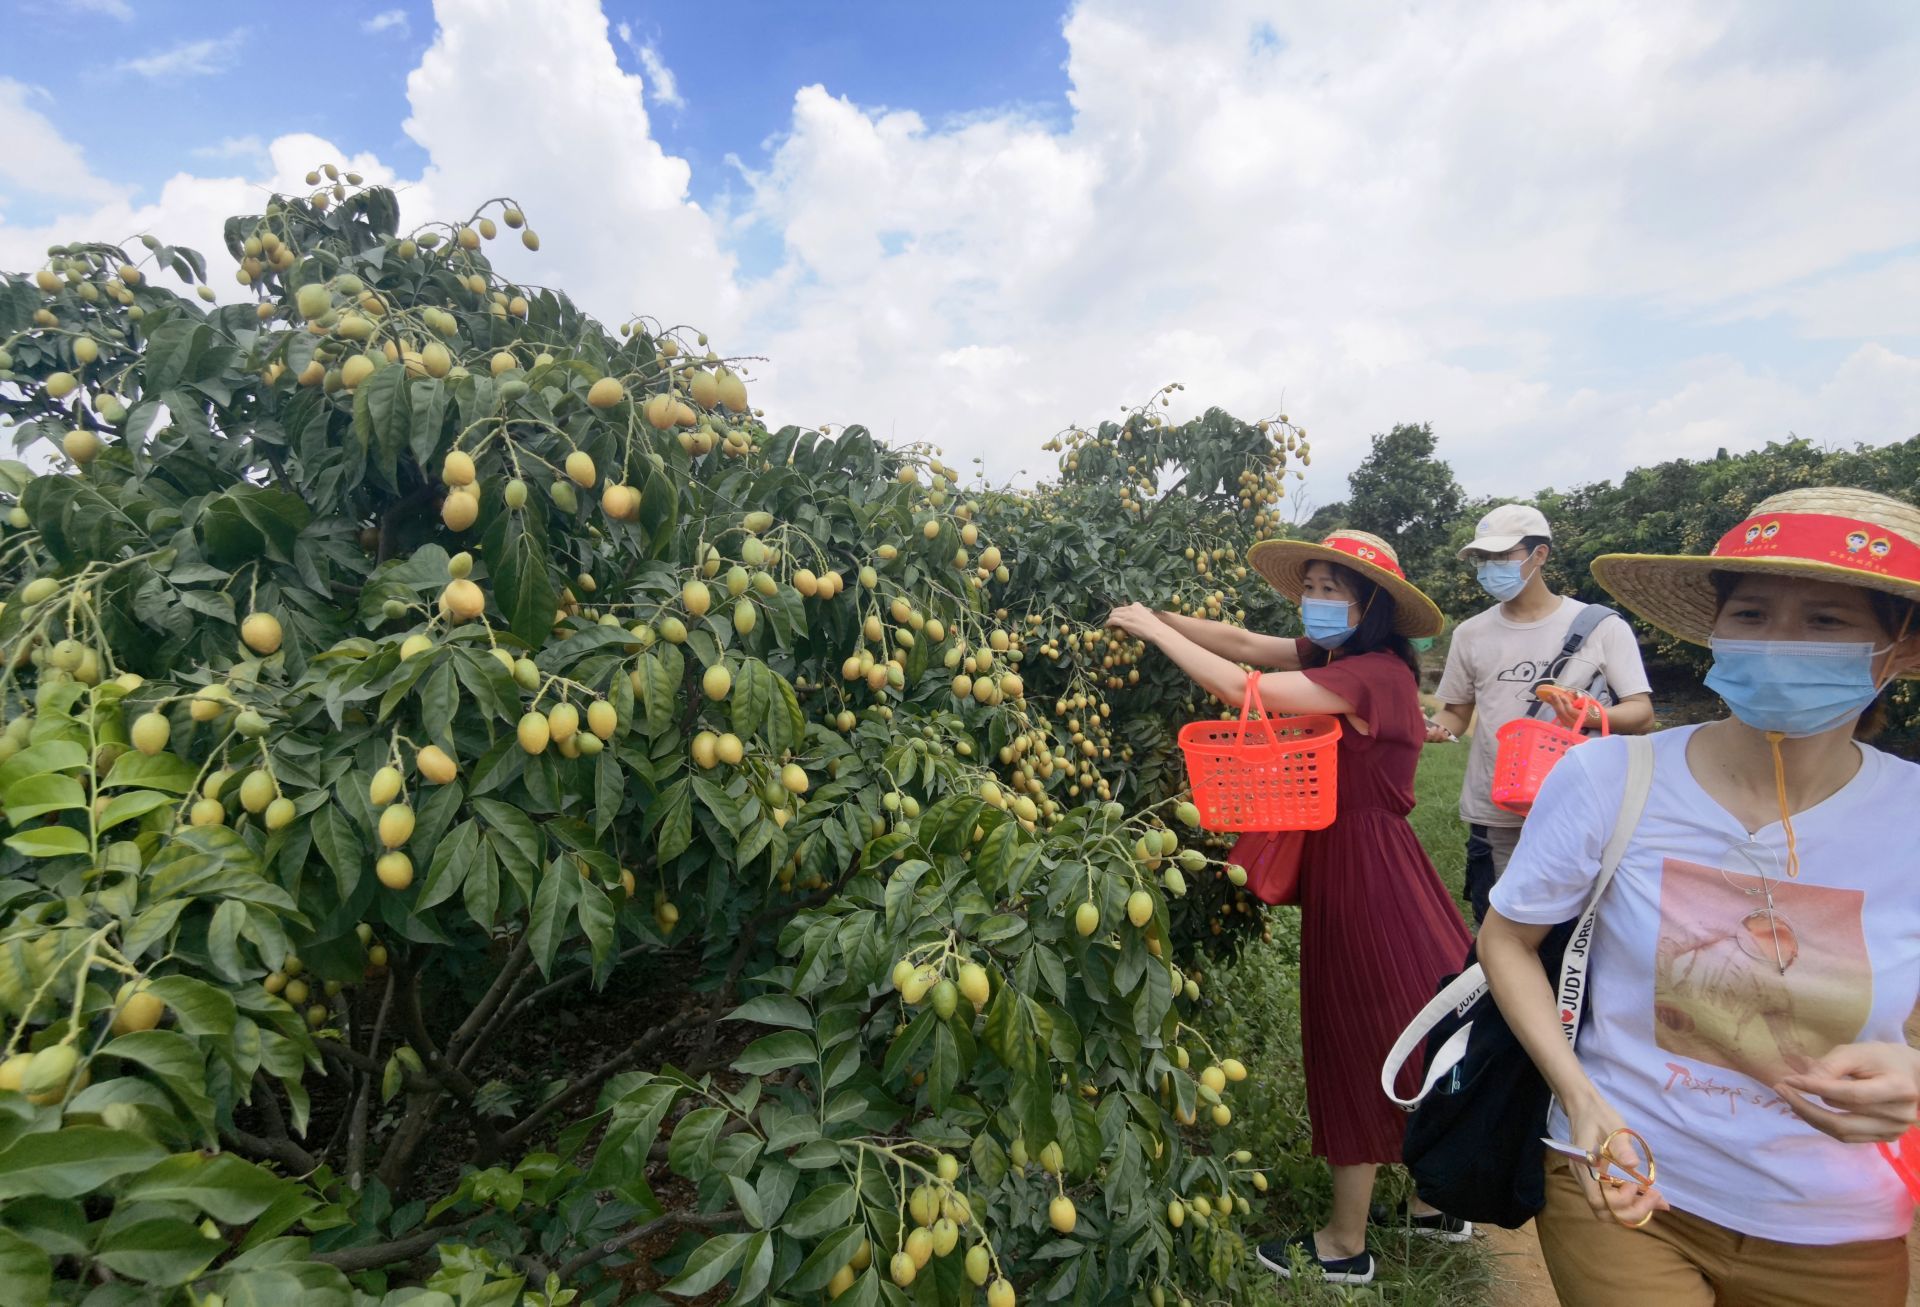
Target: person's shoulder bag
(1585,622)
(1473,1139)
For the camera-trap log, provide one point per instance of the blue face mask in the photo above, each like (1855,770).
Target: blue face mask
(1503,578)
(1326,621)
(1794,687)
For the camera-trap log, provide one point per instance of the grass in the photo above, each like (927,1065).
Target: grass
(1257,1009)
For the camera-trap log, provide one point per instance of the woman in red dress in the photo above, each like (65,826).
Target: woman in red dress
(1378,931)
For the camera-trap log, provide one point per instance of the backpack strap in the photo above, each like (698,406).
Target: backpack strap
(1584,623)
(1470,986)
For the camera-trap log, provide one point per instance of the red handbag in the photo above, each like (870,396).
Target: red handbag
(1273,872)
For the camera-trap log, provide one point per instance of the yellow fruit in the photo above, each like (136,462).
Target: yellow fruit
(413,646)
(136,1009)
(279,814)
(45,1079)
(793,777)
(257,791)
(730,749)
(1052,1160)
(706,750)
(435,359)
(619,502)
(206,812)
(979,1263)
(396,825)
(467,238)
(919,1246)
(1222,1114)
(1236,1071)
(580,469)
(1061,1214)
(717,681)
(395,869)
(528,239)
(457,468)
(436,764)
(745,617)
(696,598)
(1214,1078)
(384,788)
(605,393)
(261,632)
(462,601)
(295,992)
(1140,907)
(974,984)
(841,1282)
(150,732)
(39,590)
(602,720)
(902,1268)
(731,392)
(1086,919)
(356,370)
(946,1237)
(460,510)
(702,389)
(1000,1294)
(80,445)
(562,721)
(12,1070)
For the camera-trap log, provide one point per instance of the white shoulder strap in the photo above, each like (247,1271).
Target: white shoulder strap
(1470,986)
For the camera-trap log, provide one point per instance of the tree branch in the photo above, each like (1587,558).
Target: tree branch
(519,1131)
(284,1151)
(490,1002)
(688,1220)
(371,1256)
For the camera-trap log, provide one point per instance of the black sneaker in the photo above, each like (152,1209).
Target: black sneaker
(1278,1257)
(1440,1226)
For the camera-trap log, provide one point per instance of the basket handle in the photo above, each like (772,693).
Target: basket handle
(1250,704)
(1551,692)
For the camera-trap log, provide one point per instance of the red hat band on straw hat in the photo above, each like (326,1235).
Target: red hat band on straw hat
(1366,552)
(1852,543)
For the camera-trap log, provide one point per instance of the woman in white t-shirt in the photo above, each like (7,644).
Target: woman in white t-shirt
(1757,953)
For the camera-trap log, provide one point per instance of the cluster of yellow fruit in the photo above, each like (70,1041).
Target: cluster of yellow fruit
(919,982)
(288,982)
(560,726)
(1211,1088)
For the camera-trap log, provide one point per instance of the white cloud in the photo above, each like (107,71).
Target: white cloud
(233,147)
(1360,219)
(664,89)
(38,160)
(111,8)
(388,20)
(203,58)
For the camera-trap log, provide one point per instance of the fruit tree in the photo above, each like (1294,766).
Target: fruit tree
(394,661)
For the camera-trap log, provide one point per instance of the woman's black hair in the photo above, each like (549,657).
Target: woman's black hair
(1375,634)
(1899,618)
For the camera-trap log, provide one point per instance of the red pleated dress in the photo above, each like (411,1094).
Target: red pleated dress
(1378,931)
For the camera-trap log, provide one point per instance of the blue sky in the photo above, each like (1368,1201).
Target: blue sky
(1574,237)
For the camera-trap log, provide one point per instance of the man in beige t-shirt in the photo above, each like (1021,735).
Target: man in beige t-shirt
(1498,656)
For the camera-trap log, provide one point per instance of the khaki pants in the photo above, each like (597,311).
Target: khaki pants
(1681,1260)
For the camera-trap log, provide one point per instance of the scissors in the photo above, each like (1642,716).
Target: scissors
(1602,1163)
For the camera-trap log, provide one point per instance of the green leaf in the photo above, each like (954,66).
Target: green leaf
(757,1264)
(199,1008)
(48,842)
(750,694)
(126,807)
(710,1264)
(176,1060)
(160,771)
(221,1185)
(341,846)
(772,1052)
(672,814)
(47,756)
(820,1211)
(553,908)
(72,1162)
(163,1250)
(38,795)
(690,1151)
(453,858)
(827,1257)
(515,547)
(661,692)
(774,1010)
(26,1273)
(596,921)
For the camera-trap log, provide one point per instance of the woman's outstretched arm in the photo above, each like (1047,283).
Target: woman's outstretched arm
(1284,692)
(1237,644)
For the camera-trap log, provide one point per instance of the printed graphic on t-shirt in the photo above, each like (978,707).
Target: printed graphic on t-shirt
(1528,672)
(1762,992)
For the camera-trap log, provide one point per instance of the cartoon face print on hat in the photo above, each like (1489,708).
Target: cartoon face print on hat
(1753,533)
(1367,552)
(1881,547)
(1856,541)
(1770,530)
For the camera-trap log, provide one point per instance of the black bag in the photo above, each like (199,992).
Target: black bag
(1473,1141)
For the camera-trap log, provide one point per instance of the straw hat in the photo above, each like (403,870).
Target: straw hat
(1284,563)
(1825,533)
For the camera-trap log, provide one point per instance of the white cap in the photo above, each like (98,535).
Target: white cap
(1504,527)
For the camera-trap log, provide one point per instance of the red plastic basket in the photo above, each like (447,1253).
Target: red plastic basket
(1279,778)
(1526,749)
(1904,1158)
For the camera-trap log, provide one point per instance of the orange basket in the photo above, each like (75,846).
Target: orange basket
(1279,778)
(1526,749)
